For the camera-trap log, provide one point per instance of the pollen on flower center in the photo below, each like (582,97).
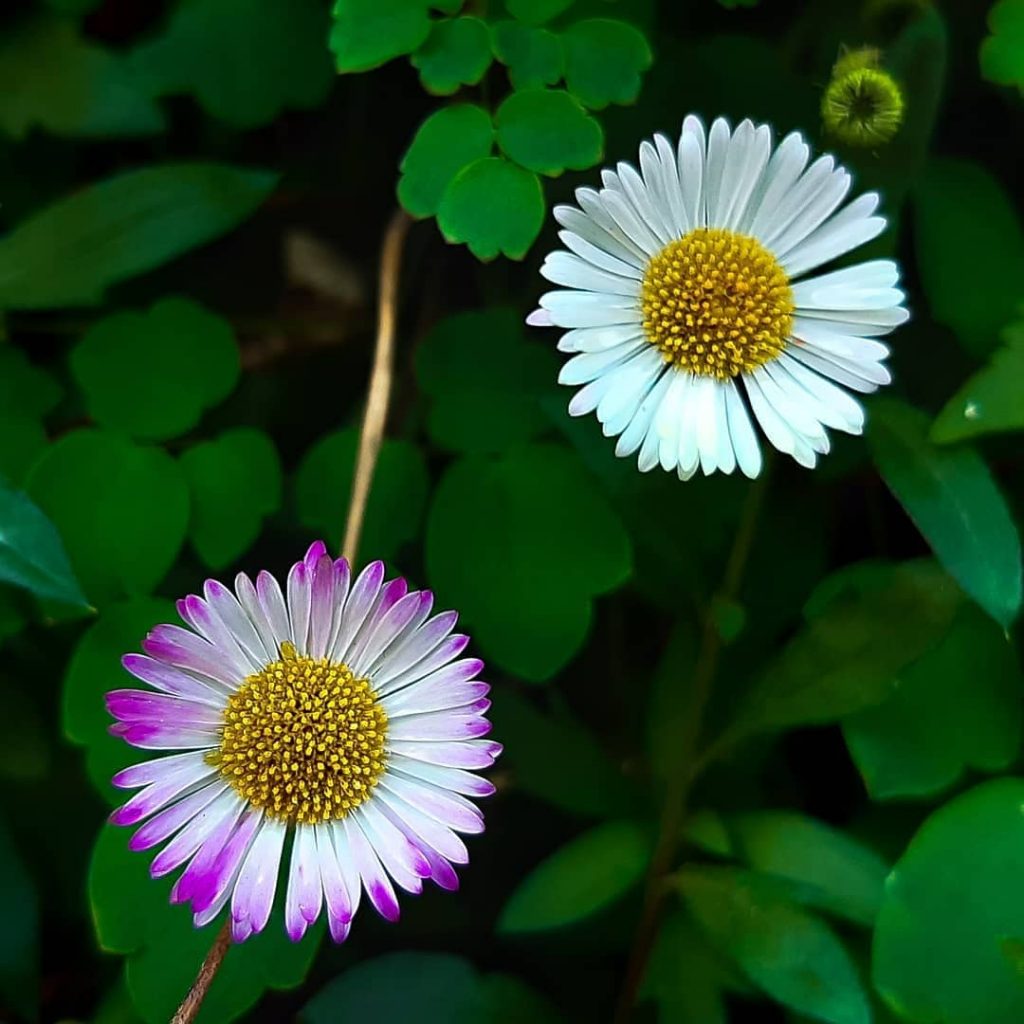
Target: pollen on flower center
(717,303)
(303,739)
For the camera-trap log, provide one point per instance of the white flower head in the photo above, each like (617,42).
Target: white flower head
(686,303)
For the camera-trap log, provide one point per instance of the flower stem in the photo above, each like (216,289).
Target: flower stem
(372,435)
(197,993)
(379,391)
(686,766)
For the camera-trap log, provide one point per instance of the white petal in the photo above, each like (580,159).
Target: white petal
(597,339)
(741,432)
(566,269)
(781,174)
(714,169)
(599,257)
(588,309)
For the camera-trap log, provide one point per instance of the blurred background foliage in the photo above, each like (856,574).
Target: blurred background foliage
(191,203)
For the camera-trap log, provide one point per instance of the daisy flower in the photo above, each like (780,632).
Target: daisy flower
(686,301)
(336,713)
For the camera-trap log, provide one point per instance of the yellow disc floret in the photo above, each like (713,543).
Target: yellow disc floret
(303,739)
(717,303)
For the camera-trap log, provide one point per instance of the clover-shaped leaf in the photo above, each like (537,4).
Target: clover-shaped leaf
(445,143)
(152,374)
(235,482)
(457,52)
(1002,53)
(486,378)
(494,206)
(368,33)
(547,131)
(604,61)
(121,510)
(536,12)
(534,56)
(521,545)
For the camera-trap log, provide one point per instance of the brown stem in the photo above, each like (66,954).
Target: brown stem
(686,767)
(379,392)
(197,993)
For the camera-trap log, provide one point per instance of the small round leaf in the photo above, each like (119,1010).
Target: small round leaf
(547,131)
(457,52)
(534,56)
(604,61)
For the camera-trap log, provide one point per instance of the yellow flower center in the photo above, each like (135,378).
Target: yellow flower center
(303,739)
(717,303)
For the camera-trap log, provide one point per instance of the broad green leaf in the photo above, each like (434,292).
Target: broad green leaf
(547,131)
(493,206)
(850,654)
(445,143)
(537,510)
(536,12)
(323,484)
(95,669)
(556,759)
(533,56)
(791,955)
(151,375)
(948,938)
(832,871)
(19,932)
(52,78)
(132,916)
(950,495)
(121,509)
(72,251)
(457,52)
(243,62)
(1002,52)
(959,707)
(604,61)
(235,483)
(31,553)
(430,988)
(991,400)
(970,251)
(25,387)
(368,33)
(581,878)
(486,378)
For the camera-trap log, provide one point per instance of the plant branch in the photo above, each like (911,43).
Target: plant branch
(686,766)
(379,392)
(197,993)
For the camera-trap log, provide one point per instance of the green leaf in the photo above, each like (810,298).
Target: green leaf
(22,439)
(991,400)
(536,12)
(323,484)
(121,509)
(151,375)
(445,143)
(19,933)
(556,759)
(547,131)
(959,707)
(368,33)
(953,500)
(537,510)
(71,252)
(970,251)
(95,669)
(851,653)
(790,954)
(25,387)
(1002,52)
(493,206)
(31,553)
(604,61)
(132,916)
(430,988)
(832,871)
(947,941)
(457,52)
(581,878)
(534,56)
(486,378)
(235,483)
(52,78)
(243,62)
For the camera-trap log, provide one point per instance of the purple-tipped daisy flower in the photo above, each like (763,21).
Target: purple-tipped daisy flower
(695,309)
(337,714)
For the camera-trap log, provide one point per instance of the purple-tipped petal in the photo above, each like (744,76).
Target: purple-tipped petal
(167,822)
(316,551)
(437,726)
(322,607)
(183,649)
(375,880)
(173,680)
(300,580)
(461,754)
(454,780)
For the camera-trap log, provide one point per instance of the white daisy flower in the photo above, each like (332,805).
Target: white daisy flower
(688,309)
(336,713)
